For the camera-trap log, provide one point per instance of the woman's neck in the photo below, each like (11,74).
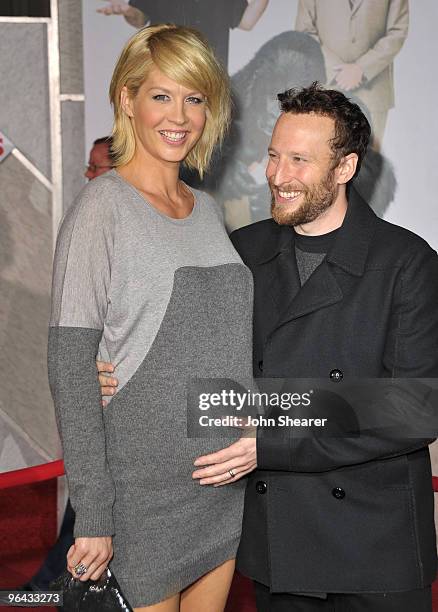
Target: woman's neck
(152,176)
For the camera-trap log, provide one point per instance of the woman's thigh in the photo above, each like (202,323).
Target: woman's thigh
(168,605)
(210,592)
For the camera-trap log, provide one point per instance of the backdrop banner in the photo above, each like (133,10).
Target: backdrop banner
(380,53)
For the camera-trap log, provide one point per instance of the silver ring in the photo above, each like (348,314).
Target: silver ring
(231,473)
(80,569)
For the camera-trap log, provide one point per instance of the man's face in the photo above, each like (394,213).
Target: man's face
(99,161)
(300,168)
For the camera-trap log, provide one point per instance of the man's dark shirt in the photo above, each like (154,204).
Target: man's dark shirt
(310,251)
(213,18)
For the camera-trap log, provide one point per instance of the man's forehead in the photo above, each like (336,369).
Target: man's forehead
(310,128)
(100,149)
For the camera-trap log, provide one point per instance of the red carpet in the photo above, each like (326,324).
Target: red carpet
(28,529)
(241,598)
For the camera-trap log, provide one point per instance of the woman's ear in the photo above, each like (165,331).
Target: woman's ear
(126,102)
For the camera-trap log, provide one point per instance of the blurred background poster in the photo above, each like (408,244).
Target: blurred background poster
(380,52)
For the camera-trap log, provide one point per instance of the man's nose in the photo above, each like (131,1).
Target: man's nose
(283,173)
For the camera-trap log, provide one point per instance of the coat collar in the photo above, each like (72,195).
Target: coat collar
(276,258)
(351,245)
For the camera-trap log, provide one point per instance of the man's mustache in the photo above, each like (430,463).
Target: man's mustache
(287,186)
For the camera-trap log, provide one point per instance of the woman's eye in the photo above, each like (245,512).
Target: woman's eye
(195,100)
(160,97)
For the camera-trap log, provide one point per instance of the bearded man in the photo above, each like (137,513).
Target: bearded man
(334,523)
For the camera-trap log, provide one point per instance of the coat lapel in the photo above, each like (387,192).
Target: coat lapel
(277,273)
(320,290)
(349,252)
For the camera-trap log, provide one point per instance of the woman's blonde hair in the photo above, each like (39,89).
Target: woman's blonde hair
(183,55)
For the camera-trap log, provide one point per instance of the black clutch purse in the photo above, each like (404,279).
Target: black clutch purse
(103,595)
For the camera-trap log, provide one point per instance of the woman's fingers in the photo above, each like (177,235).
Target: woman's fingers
(99,571)
(70,557)
(93,553)
(90,562)
(95,565)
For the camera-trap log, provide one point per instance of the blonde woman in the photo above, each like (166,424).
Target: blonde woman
(145,277)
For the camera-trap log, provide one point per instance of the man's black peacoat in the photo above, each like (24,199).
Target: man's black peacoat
(330,514)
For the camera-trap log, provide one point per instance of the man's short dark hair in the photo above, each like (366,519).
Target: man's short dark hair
(352,129)
(106,140)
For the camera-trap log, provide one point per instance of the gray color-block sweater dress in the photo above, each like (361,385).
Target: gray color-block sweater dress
(164,300)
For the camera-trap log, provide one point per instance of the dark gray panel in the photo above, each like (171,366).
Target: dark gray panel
(24,108)
(70,46)
(25,280)
(72,122)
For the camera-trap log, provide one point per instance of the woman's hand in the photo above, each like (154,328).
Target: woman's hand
(108,384)
(93,553)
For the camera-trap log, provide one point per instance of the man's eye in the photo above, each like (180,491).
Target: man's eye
(160,97)
(297,158)
(272,156)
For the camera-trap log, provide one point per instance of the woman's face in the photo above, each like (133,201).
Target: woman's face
(168,119)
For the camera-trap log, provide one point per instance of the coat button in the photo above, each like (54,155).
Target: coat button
(261,487)
(336,375)
(338,492)
(260,364)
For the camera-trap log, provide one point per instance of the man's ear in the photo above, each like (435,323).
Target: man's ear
(126,102)
(347,168)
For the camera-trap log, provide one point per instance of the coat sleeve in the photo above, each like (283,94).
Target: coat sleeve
(306,21)
(411,352)
(80,296)
(383,52)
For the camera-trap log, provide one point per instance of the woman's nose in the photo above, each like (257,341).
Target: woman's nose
(178,114)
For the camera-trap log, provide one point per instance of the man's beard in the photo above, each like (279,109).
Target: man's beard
(317,199)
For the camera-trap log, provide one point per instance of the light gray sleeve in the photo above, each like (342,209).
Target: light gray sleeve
(80,293)
(82,264)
